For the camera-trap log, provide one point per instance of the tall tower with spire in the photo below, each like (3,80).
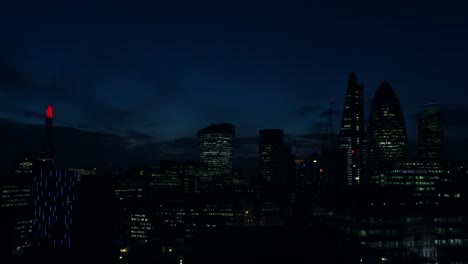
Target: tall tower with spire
(47,152)
(352,135)
(54,195)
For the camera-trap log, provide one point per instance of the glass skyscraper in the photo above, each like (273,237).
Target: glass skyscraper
(352,135)
(216,150)
(387,138)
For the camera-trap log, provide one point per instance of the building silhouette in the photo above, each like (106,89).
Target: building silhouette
(387,138)
(352,135)
(430,133)
(16,207)
(216,151)
(270,154)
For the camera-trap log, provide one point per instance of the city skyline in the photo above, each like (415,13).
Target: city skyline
(148,76)
(186,148)
(137,132)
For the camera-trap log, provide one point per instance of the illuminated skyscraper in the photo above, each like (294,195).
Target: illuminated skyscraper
(216,151)
(16,205)
(47,152)
(430,132)
(352,136)
(53,198)
(387,138)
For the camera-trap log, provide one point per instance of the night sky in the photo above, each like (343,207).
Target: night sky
(134,80)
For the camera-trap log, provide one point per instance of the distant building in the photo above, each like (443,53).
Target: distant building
(387,138)
(352,135)
(140,228)
(272,155)
(217,151)
(17,207)
(190,172)
(166,177)
(430,132)
(303,173)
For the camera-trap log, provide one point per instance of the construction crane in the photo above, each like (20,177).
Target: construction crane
(330,136)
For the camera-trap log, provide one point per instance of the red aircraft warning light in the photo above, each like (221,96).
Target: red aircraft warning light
(353,151)
(48,113)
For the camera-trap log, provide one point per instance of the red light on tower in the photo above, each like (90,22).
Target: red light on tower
(353,152)
(321,171)
(48,113)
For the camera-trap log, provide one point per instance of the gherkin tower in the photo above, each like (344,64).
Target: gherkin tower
(387,139)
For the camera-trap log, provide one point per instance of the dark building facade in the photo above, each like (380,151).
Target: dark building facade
(430,133)
(16,207)
(387,138)
(352,135)
(272,155)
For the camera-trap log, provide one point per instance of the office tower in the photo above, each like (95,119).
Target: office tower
(430,132)
(352,136)
(271,154)
(16,205)
(420,178)
(53,205)
(140,227)
(387,139)
(47,153)
(166,177)
(276,162)
(216,151)
(190,172)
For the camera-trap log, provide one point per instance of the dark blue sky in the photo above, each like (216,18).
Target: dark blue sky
(155,72)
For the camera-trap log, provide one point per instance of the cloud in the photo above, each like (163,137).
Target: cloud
(307,109)
(334,112)
(32,114)
(413,116)
(139,136)
(246,147)
(184,148)
(319,126)
(311,137)
(15,81)
(100,113)
(75,147)
(454,117)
